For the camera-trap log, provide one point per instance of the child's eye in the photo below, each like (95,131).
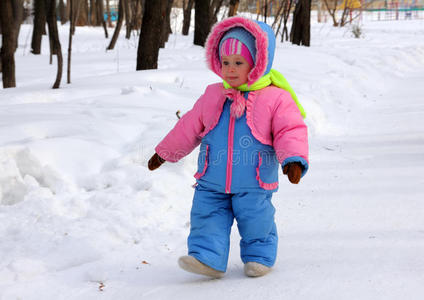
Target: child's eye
(225,63)
(238,63)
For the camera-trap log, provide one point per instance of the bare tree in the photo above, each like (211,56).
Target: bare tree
(82,15)
(121,16)
(8,19)
(18,16)
(215,7)
(348,7)
(72,11)
(150,34)
(62,12)
(206,12)
(278,16)
(0,49)
(39,27)
(301,27)
(109,21)
(132,12)
(202,24)
(286,14)
(75,13)
(233,7)
(100,16)
(54,34)
(137,16)
(331,6)
(166,29)
(187,7)
(93,13)
(127,16)
(265,10)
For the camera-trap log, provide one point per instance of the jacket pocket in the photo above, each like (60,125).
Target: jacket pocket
(202,162)
(267,171)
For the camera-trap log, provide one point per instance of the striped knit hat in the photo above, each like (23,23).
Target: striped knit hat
(238,41)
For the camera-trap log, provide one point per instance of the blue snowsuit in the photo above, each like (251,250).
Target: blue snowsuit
(214,209)
(237,173)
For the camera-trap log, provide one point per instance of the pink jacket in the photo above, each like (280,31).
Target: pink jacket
(271,114)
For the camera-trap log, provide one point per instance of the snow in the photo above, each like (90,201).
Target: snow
(83,218)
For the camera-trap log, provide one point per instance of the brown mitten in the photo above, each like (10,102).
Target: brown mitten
(293,171)
(155,162)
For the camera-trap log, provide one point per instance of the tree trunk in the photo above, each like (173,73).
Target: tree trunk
(202,25)
(100,16)
(109,14)
(166,29)
(136,15)
(9,38)
(62,12)
(71,18)
(118,26)
(39,26)
(187,16)
(265,10)
(233,7)
(93,13)
(109,19)
(82,15)
(52,25)
(300,31)
(214,10)
(75,13)
(345,14)
(51,37)
(18,10)
(286,15)
(127,13)
(332,11)
(278,17)
(150,34)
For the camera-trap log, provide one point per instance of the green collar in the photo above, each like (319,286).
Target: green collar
(275,78)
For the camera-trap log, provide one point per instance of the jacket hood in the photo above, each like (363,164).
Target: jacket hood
(264,43)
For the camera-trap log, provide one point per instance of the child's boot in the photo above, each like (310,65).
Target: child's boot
(254,269)
(191,264)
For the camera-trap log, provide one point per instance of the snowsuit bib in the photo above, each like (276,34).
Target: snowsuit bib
(232,160)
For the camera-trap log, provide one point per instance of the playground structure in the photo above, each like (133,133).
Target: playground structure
(396,10)
(375,10)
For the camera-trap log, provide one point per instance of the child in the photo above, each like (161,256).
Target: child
(246,127)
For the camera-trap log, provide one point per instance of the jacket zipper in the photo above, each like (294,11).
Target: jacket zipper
(230,154)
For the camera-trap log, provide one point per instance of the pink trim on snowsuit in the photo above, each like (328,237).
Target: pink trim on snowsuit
(264,185)
(205,166)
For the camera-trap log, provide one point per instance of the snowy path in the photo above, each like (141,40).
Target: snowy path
(361,220)
(354,228)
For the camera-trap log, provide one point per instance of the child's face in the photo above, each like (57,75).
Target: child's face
(235,69)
